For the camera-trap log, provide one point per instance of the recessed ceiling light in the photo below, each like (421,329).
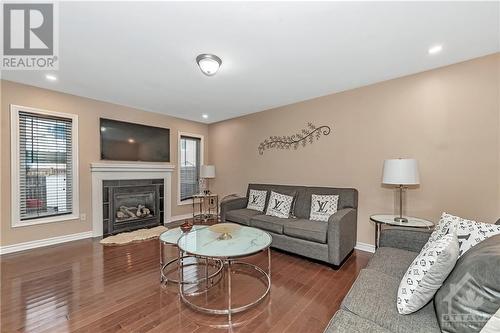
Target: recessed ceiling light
(131,140)
(51,77)
(435,49)
(205,116)
(209,63)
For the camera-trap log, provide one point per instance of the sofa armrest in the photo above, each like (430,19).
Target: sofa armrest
(342,233)
(410,239)
(231,204)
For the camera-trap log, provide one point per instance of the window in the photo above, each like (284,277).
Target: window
(43,166)
(190,157)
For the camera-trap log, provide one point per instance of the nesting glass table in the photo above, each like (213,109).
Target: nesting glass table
(226,251)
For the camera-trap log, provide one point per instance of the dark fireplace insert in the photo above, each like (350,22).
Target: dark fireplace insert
(132,204)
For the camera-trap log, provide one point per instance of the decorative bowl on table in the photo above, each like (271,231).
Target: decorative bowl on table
(225,230)
(186,226)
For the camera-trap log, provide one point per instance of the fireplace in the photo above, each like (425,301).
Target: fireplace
(131,204)
(106,175)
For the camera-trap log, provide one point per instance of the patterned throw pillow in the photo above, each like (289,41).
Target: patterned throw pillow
(279,205)
(323,206)
(469,232)
(427,273)
(257,200)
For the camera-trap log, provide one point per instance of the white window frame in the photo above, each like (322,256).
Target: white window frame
(202,148)
(14,165)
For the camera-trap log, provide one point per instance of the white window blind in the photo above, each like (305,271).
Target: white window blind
(189,167)
(45,166)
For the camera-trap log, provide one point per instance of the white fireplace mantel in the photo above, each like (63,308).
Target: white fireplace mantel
(114,171)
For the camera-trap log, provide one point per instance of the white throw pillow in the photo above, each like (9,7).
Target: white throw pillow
(469,232)
(323,206)
(427,273)
(257,200)
(279,205)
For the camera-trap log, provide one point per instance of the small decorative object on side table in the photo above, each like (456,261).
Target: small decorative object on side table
(387,219)
(208,205)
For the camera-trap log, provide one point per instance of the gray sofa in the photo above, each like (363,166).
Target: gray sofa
(370,305)
(330,242)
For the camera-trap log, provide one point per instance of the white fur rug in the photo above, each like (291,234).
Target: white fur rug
(133,236)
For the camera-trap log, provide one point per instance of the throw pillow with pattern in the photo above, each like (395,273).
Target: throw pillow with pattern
(323,206)
(469,232)
(427,273)
(257,200)
(279,205)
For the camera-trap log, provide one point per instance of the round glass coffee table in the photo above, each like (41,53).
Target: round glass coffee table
(170,238)
(238,243)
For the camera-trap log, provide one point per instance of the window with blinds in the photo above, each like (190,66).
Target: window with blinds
(45,166)
(189,166)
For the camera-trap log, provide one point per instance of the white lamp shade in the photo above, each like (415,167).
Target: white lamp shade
(401,172)
(207,171)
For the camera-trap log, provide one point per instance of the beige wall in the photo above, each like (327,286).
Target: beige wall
(88,111)
(447,118)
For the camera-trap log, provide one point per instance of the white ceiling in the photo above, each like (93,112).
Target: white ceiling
(143,54)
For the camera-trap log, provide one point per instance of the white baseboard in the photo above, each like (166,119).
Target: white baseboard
(178,218)
(44,242)
(365,247)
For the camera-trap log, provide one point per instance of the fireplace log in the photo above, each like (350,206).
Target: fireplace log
(127,211)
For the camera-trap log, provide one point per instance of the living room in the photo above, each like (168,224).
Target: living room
(240,166)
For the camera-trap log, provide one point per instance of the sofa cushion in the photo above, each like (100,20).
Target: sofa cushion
(314,231)
(373,297)
(392,261)
(427,273)
(279,205)
(471,294)
(345,321)
(284,189)
(348,198)
(241,216)
(269,223)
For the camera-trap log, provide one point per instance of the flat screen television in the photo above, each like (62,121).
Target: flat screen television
(122,141)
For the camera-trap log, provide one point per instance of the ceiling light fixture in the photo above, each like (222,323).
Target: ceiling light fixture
(51,77)
(209,63)
(435,49)
(131,140)
(205,116)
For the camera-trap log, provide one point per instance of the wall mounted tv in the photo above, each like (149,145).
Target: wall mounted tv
(122,141)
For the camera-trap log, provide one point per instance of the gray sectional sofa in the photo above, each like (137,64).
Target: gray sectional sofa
(473,287)
(330,242)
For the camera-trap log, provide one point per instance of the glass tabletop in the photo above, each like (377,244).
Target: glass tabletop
(414,222)
(244,241)
(171,236)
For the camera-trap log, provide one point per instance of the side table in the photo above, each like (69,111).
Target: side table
(388,219)
(208,205)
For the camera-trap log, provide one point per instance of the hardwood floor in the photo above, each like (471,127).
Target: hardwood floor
(84,287)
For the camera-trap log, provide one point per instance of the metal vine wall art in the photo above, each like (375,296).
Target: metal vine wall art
(307,135)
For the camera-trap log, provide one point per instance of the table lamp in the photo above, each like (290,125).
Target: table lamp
(401,172)
(207,172)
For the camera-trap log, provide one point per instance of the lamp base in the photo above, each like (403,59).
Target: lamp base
(401,219)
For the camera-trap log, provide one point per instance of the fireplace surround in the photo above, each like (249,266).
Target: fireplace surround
(129,174)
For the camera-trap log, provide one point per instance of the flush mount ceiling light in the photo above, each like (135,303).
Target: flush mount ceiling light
(205,116)
(435,49)
(208,63)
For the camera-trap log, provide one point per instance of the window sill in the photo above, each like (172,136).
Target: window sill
(44,220)
(184,202)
